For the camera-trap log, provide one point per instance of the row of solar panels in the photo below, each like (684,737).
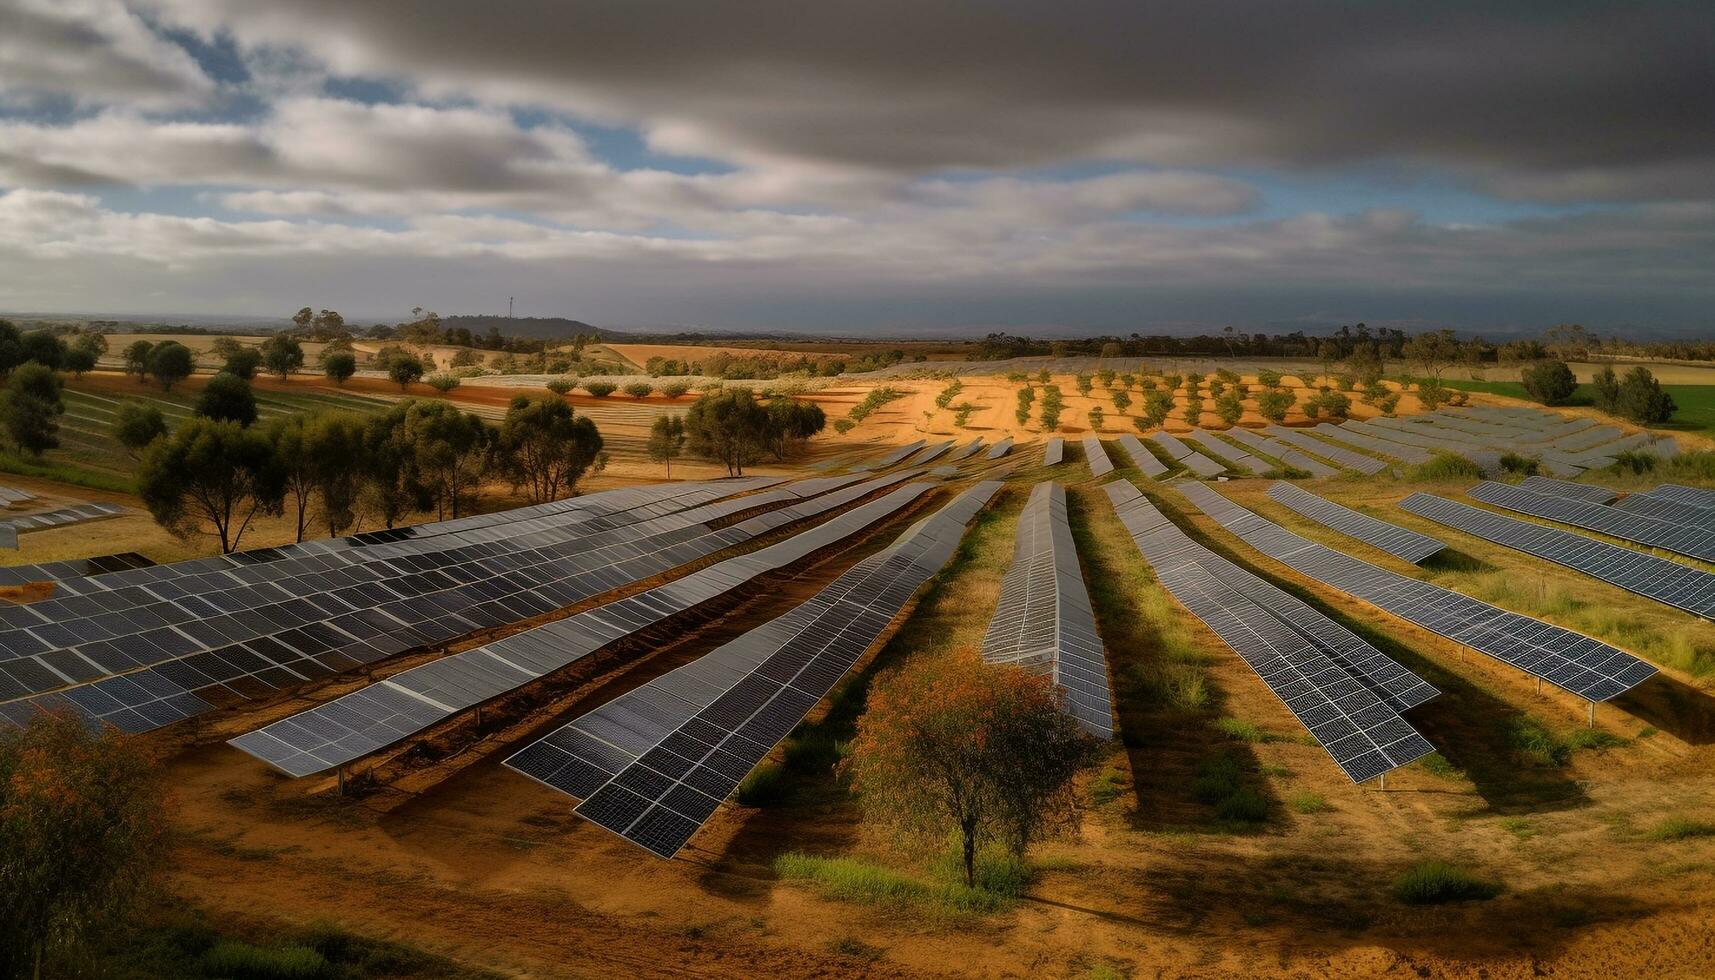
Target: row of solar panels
(653,764)
(1345,692)
(422,608)
(337,600)
(1670,535)
(1402,543)
(1577,663)
(1565,447)
(370,719)
(1043,622)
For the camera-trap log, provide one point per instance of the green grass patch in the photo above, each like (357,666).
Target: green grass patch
(1439,883)
(242,961)
(864,883)
(1681,828)
(1437,765)
(48,468)
(1220,783)
(855,948)
(1519,827)
(1307,802)
(1444,467)
(1107,787)
(764,785)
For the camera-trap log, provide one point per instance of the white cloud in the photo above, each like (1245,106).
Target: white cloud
(94,52)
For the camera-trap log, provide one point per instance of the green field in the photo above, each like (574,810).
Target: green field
(1696,402)
(90,456)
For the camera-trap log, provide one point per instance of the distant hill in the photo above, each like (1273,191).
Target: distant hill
(539,327)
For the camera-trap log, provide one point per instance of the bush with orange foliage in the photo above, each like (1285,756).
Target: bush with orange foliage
(950,744)
(82,827)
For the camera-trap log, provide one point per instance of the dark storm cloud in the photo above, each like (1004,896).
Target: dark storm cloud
(1551,100)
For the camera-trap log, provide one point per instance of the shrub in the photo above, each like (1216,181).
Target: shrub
(1534,741)
(1635,462)
(1432,395)
(640,389)
(1274,403)
(1446,466)
(1642,400)
(1549,382)
(1439,882)
(442,381)
(1304,801)
(1268,379)
(600,389)
(1518,465)
(675,389)
(559,386)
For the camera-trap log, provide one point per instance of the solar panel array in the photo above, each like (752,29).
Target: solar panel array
(76,568)
(933,453)
(185,636)
(1698,542)
(1670,582)
(999,449)
(62,516)
(1361,729)
(14,495)
(1348,458)
(884,461)
(1097,457)
(1141,457)
(1202,465)
(353,726)
(1586,492)
(1676,511)
(1239,458)
(968,450)
(1043,622)
(1579,664)
(1563,447)
(1488,459)
(1402,543)
(1054,452)
(653,764)
(1281,451)
(1175,449)
(1685,495)
(8,535)
(1392,450)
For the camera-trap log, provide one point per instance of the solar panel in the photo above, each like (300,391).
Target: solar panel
(1141,457)
(1360,729)
(1202,465)
(1402,543)
(1392,450)
(1236,457)
(62,516)
(1586,492)
(1696,542)
(1054,452)
(968,450)
(1576,663)
(653,764)
(1169,443)
(932,453)
(1668,509)
(999,449)
(1348,458)
(311,615)
(1281,451)
(1685,495)
(1043,622)
(1100,464)
(348,728)
(888,459)
(1670,582)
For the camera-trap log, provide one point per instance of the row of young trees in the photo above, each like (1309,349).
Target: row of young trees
(734,429)
(1638,396)
(216,473)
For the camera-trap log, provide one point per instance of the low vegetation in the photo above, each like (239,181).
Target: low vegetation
(1441,882)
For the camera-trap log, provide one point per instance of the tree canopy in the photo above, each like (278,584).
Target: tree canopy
(227,397)
(950,745)
(1549,382)
(170,362)
(728,427)
(544,448)
(31,407)
(210,477)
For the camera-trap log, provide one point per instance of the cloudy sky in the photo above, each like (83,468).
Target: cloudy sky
(880,166)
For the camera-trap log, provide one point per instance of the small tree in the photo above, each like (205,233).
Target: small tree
(1193,410)
(1097,417)
(792,422)
(640,389)
(451,450)
(1433,352)
(728,427)
(559,386)
(1274,403)
(282,355)
(32,407)
(404,369)
(82,831)
(1157,405)
(600,389)
(1230,407)
(1083,382)
(242,362)
(171,362)
(82,354)
(1549,382)
(675,389)
(1268,379)
(137,359)
(339,366)
(544,447)
(442,382)
(954,746)
(333,445)
(135,425)
(210,477)
(1122,401)
(227,397)
(1641,399)
(1606,388)
(44,348)
(667,440)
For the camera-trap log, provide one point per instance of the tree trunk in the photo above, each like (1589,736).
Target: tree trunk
(970,855)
